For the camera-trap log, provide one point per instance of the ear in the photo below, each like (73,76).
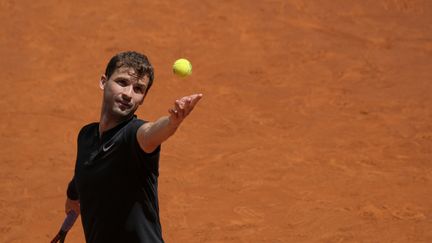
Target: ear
(103,81)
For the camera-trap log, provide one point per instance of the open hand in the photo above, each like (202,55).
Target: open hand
(182,108)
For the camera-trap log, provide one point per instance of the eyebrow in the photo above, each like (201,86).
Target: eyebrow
(122,78)
(141,85)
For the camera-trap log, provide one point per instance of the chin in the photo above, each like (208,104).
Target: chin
(123,113)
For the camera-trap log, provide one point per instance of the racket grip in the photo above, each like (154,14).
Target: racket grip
(69,221)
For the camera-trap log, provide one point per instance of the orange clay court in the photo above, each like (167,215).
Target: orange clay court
(315,126)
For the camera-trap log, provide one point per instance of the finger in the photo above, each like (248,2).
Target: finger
(196,97)
(185,99)
(188,100)
(173,113)
(180,109)
(187,105)
(189,108)
(189,97)
(191,102)
(195,100)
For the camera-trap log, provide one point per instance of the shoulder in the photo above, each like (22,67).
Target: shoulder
(139,127)
(138,122)
(89,128)
(130,130)
(134,125)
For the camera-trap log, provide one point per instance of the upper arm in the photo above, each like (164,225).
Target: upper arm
(143,140)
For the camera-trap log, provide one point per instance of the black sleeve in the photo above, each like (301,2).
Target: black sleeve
(133,141)
(71,190)
(147,162)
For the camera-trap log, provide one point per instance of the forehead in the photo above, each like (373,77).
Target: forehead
(130,74)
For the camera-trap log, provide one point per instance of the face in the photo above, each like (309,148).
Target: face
(124,92)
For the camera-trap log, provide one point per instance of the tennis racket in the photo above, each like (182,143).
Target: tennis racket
(66,226)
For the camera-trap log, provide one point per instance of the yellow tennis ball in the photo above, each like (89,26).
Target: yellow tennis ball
(182,67)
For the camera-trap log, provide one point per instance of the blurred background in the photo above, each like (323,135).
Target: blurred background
(315,126)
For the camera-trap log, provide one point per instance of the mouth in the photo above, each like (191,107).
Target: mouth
(124,104)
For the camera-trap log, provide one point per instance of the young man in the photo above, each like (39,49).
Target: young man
(116,173)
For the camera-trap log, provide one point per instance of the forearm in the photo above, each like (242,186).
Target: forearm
(152,134)
(158,131)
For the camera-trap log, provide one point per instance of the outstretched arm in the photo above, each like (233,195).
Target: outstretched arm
(152,134)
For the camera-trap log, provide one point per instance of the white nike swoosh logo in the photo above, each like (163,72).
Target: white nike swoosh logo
(104,148)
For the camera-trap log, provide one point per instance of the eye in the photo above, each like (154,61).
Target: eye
(139,90)
(122,82)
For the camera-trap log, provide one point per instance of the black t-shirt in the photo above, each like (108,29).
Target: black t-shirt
(116,183)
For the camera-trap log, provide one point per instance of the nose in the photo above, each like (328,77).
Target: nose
(127,93)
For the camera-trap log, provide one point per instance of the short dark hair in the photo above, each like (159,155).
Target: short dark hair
(131,59)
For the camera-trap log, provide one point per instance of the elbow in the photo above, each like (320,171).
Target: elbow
(149,148)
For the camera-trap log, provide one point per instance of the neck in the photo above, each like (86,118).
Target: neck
(108,121)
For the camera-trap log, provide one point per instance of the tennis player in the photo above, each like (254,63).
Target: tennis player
(115,184)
